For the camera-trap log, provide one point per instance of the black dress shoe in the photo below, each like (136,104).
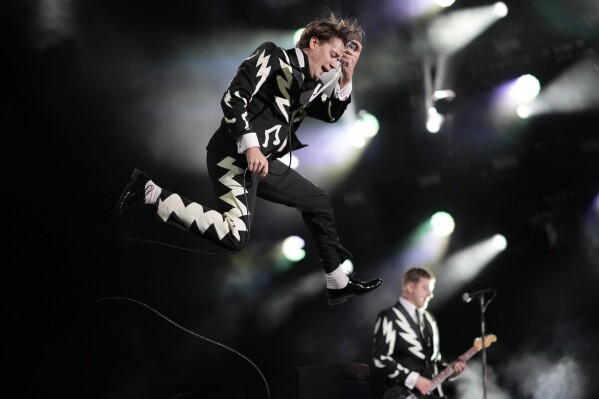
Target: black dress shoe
(133,196)
(354,287)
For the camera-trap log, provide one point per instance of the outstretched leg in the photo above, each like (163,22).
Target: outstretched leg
(226,224)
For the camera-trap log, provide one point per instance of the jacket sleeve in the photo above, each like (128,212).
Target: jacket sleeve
(251,75)
(385,335)
(327,107)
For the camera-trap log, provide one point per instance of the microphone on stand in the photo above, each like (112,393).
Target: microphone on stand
(467,296)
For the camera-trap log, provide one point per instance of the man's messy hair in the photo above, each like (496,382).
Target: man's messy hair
(326,29)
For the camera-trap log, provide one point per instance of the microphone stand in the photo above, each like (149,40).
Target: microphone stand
(483,308)
(484,353)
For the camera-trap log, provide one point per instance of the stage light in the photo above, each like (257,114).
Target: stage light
(525,89)
(443,101)
(442,224)
(434,120)
(363,129)
(293,248)
(523,111)
(444,94)
(357,139)
(444,3)
(499,242)
(500,9)
(516,97)
(367,123)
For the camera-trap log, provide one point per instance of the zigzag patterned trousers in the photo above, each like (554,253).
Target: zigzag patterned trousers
(228,223)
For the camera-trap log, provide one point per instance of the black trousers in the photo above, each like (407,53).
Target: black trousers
(228,222)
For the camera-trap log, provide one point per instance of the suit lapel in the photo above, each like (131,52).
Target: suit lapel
(307,85)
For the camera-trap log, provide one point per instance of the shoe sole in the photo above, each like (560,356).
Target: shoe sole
(337,301)
(345,298)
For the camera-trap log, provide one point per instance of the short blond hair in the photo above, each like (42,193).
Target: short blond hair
(414,275)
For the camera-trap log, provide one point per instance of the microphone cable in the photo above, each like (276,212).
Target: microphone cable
(336,75)
(189,332)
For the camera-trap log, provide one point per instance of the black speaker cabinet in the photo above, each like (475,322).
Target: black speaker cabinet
(334,381)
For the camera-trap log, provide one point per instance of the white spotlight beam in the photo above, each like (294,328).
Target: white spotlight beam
(452,31)
(463,266)
(575,90)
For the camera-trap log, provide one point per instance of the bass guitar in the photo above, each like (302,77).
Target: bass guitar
(448,371)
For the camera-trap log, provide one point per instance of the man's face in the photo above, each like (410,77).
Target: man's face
(323,56)
(420,293)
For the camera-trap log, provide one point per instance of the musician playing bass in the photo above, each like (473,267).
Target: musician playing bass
(406,341)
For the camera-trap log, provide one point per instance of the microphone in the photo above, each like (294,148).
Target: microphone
(467,297)
(349,46)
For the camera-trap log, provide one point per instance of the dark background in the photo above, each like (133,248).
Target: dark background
(89,310)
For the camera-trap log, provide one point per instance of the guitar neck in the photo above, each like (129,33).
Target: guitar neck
(448,371)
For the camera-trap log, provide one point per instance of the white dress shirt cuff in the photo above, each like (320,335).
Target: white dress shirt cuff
(343,93)
(410,382)
(246,141)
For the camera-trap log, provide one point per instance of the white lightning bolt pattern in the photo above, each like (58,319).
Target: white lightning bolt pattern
(239,208)
(263,70)
(228,222)
(244,116)
(409,335)
(195,213)
(284,85)
(282,103)
(389,333)
(227,98)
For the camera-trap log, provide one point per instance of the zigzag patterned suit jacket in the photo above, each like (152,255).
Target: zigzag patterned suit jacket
(399,348)
(267,97)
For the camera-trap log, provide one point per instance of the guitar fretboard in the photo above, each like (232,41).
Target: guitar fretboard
(448,371)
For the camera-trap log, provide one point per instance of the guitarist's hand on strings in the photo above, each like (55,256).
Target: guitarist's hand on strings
(424,385)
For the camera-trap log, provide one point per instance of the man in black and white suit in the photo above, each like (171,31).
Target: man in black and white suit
(273,91)
(406,340)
